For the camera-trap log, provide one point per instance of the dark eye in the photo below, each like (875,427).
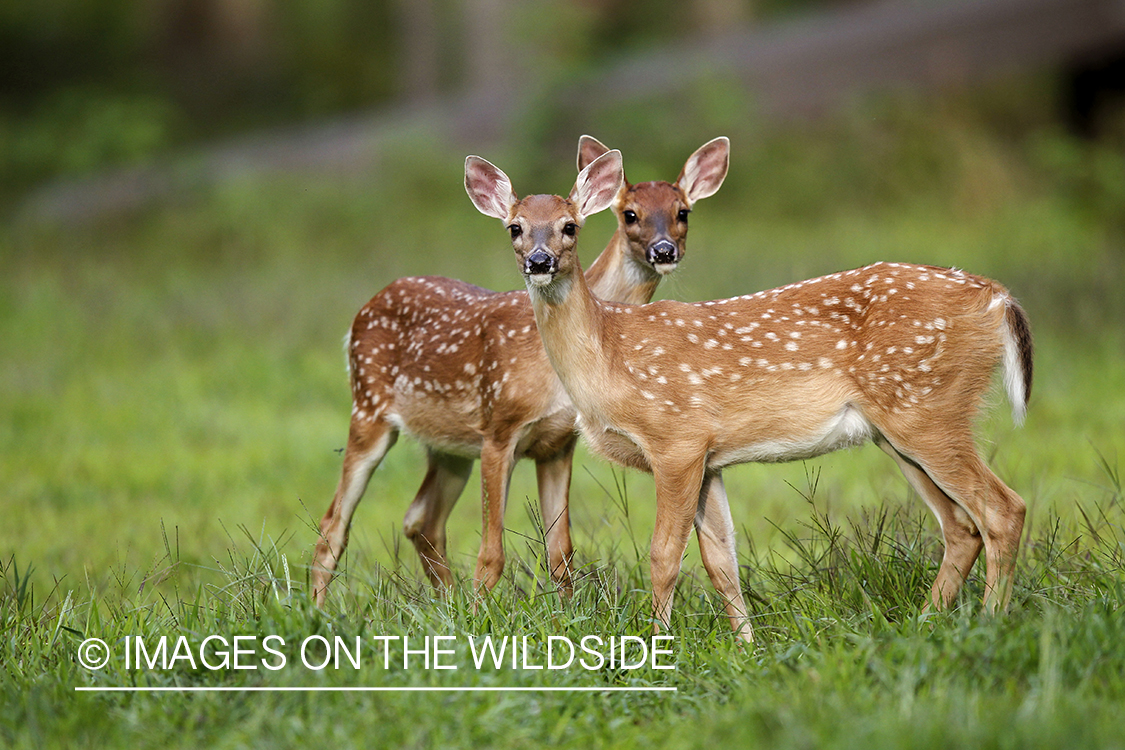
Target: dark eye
(630,217)
(683,215)
(570,229)
(516,230)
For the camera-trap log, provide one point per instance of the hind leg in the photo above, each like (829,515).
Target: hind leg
(999,514)
(961,536)
(368,442)
(425,520)
(991,506)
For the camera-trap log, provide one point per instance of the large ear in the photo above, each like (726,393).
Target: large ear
(489,188)
(598,184)
(705,170)
(589,148)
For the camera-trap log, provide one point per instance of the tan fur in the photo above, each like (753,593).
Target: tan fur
(463,370)
(901,355)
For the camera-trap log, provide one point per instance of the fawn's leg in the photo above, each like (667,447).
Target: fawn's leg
(496,463)
(991,506)
(368,442)
(553,475)
(963,542)
(715,529)
(678,486)
(424,525)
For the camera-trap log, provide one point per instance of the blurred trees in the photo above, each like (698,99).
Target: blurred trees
(89,83)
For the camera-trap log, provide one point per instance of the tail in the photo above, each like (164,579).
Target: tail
(1017,358)
(348,352)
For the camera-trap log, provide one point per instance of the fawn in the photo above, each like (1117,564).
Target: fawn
(463,370)
(900,355)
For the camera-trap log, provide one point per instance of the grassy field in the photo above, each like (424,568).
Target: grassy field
(173,398)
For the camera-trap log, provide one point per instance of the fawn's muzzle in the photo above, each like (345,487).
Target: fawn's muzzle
(662,252)
(540,262)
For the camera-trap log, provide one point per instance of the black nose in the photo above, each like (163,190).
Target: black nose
(663,251)
(540,262)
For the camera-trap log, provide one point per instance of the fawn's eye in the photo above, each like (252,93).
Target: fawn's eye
(683,215)
(516,230)
(570,229)
(630,217)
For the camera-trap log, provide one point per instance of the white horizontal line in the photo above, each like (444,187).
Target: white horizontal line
(266,689)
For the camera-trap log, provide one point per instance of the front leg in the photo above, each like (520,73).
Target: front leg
(677,497)
(496,462)
(715,529)
(553,475)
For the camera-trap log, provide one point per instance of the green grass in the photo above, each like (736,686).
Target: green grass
(843,655)
(172,397)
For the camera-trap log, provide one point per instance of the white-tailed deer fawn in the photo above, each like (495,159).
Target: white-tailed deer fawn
(901,355)
(463,370)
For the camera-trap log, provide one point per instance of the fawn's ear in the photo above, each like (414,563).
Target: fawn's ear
(705,170)
(488,188)
(589,148)
(598,184)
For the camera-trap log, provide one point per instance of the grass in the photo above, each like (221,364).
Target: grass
(844,657)
(172,395)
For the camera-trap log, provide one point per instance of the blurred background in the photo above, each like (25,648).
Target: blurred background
(92,85)
(198,195)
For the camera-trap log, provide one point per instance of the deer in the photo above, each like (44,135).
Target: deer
(896,354)
(462,369)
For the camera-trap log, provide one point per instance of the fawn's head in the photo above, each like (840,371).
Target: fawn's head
(653,216)
(544,228)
